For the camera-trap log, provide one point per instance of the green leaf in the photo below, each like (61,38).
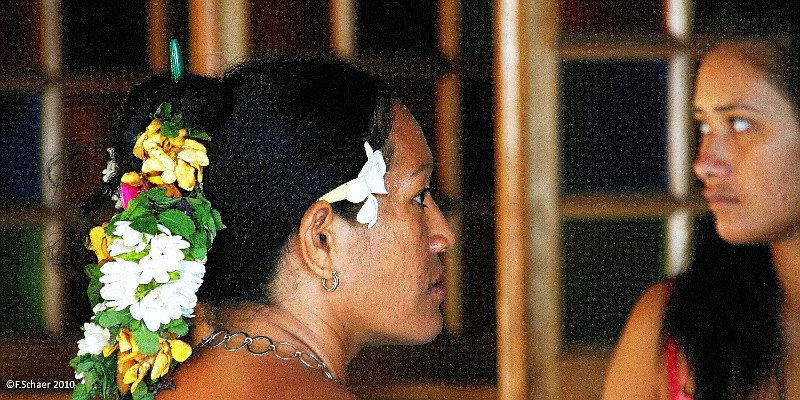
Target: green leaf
(178,326)
(136,204)
(114,330)
(108,379)
(147,340)
(177,222)
(164,110)
(79,359)
(91,378)
(133,256)
(93,270)
(80,392)
(110,227)
(141,393)
(93,291)
(137,209)
(212,228)
(199,252)
(198,134)
(84,366)
(112,317)
(198,241)
(169,129)
(217,219)
(146,224)
(159,197)
(143,290)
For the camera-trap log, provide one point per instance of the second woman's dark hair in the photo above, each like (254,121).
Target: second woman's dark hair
(724,313)
(725,310)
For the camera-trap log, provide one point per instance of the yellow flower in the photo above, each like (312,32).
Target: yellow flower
(132,178)
(133,366)
(170,160)
(99,241)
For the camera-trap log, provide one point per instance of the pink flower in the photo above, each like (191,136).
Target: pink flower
(128,192)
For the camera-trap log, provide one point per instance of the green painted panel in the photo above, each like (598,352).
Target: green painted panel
(607,264)
(21,289)
(476,28)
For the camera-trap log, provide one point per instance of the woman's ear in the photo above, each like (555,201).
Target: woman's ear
(316,239)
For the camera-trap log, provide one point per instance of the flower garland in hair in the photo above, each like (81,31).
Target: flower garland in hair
(150,264)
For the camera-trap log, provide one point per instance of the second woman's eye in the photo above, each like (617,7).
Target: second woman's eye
(420,198)
(703,127)
(740,124)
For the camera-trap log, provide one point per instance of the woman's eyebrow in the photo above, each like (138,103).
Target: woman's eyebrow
(729,107)
(428,166)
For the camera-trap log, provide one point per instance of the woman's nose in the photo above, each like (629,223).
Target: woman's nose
(442,237)
(713,157)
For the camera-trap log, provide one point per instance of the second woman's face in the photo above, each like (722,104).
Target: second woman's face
(749,151)
(396,275)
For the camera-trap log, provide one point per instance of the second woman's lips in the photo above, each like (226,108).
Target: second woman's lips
(717,199)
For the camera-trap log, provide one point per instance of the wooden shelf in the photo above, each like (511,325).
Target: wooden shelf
(618,46)
(625,205)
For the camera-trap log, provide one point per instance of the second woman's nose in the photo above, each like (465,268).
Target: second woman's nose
(713,157)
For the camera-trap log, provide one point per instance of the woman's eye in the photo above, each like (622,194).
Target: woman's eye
(420,198)
(703,127)
(740,124)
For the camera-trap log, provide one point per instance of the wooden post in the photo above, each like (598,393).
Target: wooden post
(234,31)
(343,28)
(542,128)
(205,51)
(512,332)
(157,36)
(527,196)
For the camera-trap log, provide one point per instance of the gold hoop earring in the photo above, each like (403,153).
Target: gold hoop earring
(335,282)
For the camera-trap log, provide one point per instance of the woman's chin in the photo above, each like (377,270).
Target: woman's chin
(422,333)
(738,234)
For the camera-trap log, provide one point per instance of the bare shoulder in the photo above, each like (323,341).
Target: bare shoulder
(635,371)
(238,375)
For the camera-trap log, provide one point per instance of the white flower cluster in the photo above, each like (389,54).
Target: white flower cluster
(161,286)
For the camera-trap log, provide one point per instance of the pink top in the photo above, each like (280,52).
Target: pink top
(677,378)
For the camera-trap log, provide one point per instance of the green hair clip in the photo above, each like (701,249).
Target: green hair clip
(175,60)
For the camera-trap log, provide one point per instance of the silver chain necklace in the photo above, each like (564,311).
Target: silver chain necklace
(262,345)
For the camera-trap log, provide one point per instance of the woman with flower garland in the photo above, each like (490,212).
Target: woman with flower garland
(331,240)
(727,328)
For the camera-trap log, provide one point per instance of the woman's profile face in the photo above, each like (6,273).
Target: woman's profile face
(749,151)
(395,282)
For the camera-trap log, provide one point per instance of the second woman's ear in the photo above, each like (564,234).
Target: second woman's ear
(316,241)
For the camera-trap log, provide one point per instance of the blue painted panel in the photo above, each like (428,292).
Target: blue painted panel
(614,120)
(20,166)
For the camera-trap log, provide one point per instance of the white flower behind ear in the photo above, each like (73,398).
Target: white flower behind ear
(370,180)
(368,214)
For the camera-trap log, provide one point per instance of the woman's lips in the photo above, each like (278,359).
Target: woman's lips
(438,285)
(720,201)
